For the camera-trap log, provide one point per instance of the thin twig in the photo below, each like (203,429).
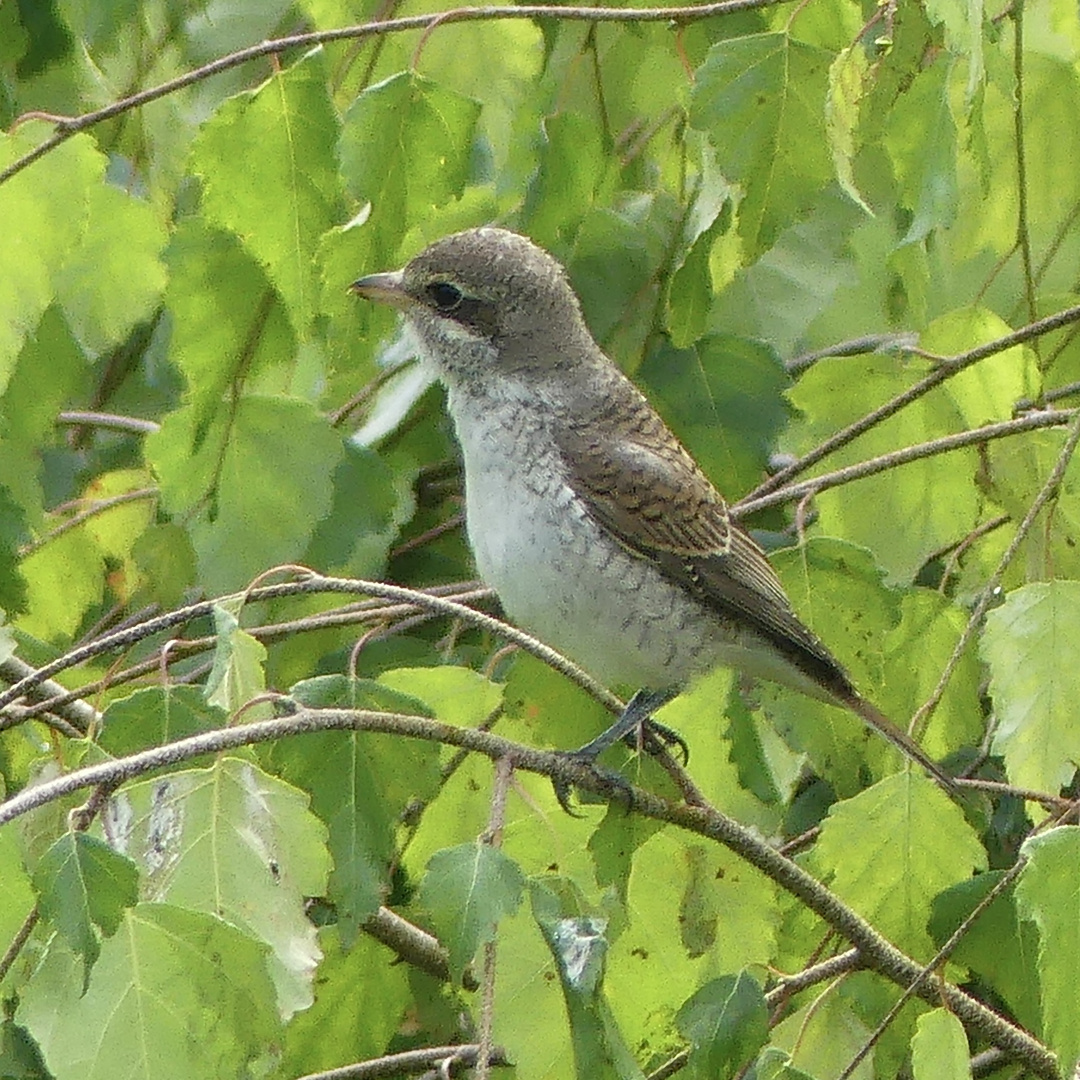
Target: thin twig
(399,618)
(315,583)
(51,694)
(504,771)
(69,126)
(1023,234)
(410,1061)
(870,343)
(413,945)
(22,935)
(942,955)
(946,369)
(108,420)
(946,444)
(877,953)
(990,591)
(99,506)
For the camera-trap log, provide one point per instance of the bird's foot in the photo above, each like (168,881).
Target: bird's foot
(636,728)
(618,785)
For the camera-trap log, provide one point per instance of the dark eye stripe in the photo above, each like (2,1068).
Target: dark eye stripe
(444,296)
(477,314)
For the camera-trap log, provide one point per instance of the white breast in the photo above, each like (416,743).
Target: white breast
(557,575)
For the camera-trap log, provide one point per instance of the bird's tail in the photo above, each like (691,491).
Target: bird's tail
(901,740)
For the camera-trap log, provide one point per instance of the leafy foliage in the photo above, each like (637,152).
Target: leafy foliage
(779,220)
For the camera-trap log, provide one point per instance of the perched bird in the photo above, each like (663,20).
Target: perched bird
(592,522)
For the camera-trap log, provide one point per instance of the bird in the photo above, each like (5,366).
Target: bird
(595,526)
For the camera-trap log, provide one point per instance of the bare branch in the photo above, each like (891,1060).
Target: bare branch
(877,953)
(413,945)
(947,443)
(108,420)
(410,1061)
(990,591)
(315,583)
(68,126)
(946,370)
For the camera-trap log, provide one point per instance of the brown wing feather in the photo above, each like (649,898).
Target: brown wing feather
(650,493)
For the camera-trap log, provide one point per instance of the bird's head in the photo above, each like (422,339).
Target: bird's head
(487,304)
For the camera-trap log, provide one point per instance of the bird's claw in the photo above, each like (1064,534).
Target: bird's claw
(619,785)
(655,737)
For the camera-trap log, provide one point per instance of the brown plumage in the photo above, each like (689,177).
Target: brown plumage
(594,524)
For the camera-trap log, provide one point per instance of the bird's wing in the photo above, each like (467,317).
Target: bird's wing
(647,490)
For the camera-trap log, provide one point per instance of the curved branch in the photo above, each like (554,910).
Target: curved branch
(314,583)
(947,443)
(68,126)
(876,952)
(411,1061)
(946,370)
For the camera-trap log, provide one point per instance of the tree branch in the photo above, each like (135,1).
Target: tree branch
(68,126)
(314,583)
(876,952)
(907,454)
(946,370)
(444,1058)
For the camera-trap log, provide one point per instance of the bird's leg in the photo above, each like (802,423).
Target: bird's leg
(636,727)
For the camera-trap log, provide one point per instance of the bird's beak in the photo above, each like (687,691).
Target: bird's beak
(384,289)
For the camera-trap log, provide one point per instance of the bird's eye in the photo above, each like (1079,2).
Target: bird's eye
(444,296)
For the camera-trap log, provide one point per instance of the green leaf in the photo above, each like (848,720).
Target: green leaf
(165,560)
(990,389)
(724,384)
(822,1037)
(82,883)
(13,532)
(761,100)
(916,651)
(1028,644)
(360,785)
(727,1022)
(267,477)
(939,1050)
(466,891)
(691,287)
(618,255)
(366,981)
(238,673)
(379,165)
(827,581)
(63,579)
(228,322)
(155,716)
(28,411)
(903,515)
(1046,894)
(1018,469)
(16,895)
(921,141)
(684,899)
(370,504)
(235,843)
(848,75)
(20,1058)
(891,849)
(114,278)
(964,30)
(50,201)
(570,167)
(174,994)
(456,695)
(579,943)
(282,208)
(1000,948)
